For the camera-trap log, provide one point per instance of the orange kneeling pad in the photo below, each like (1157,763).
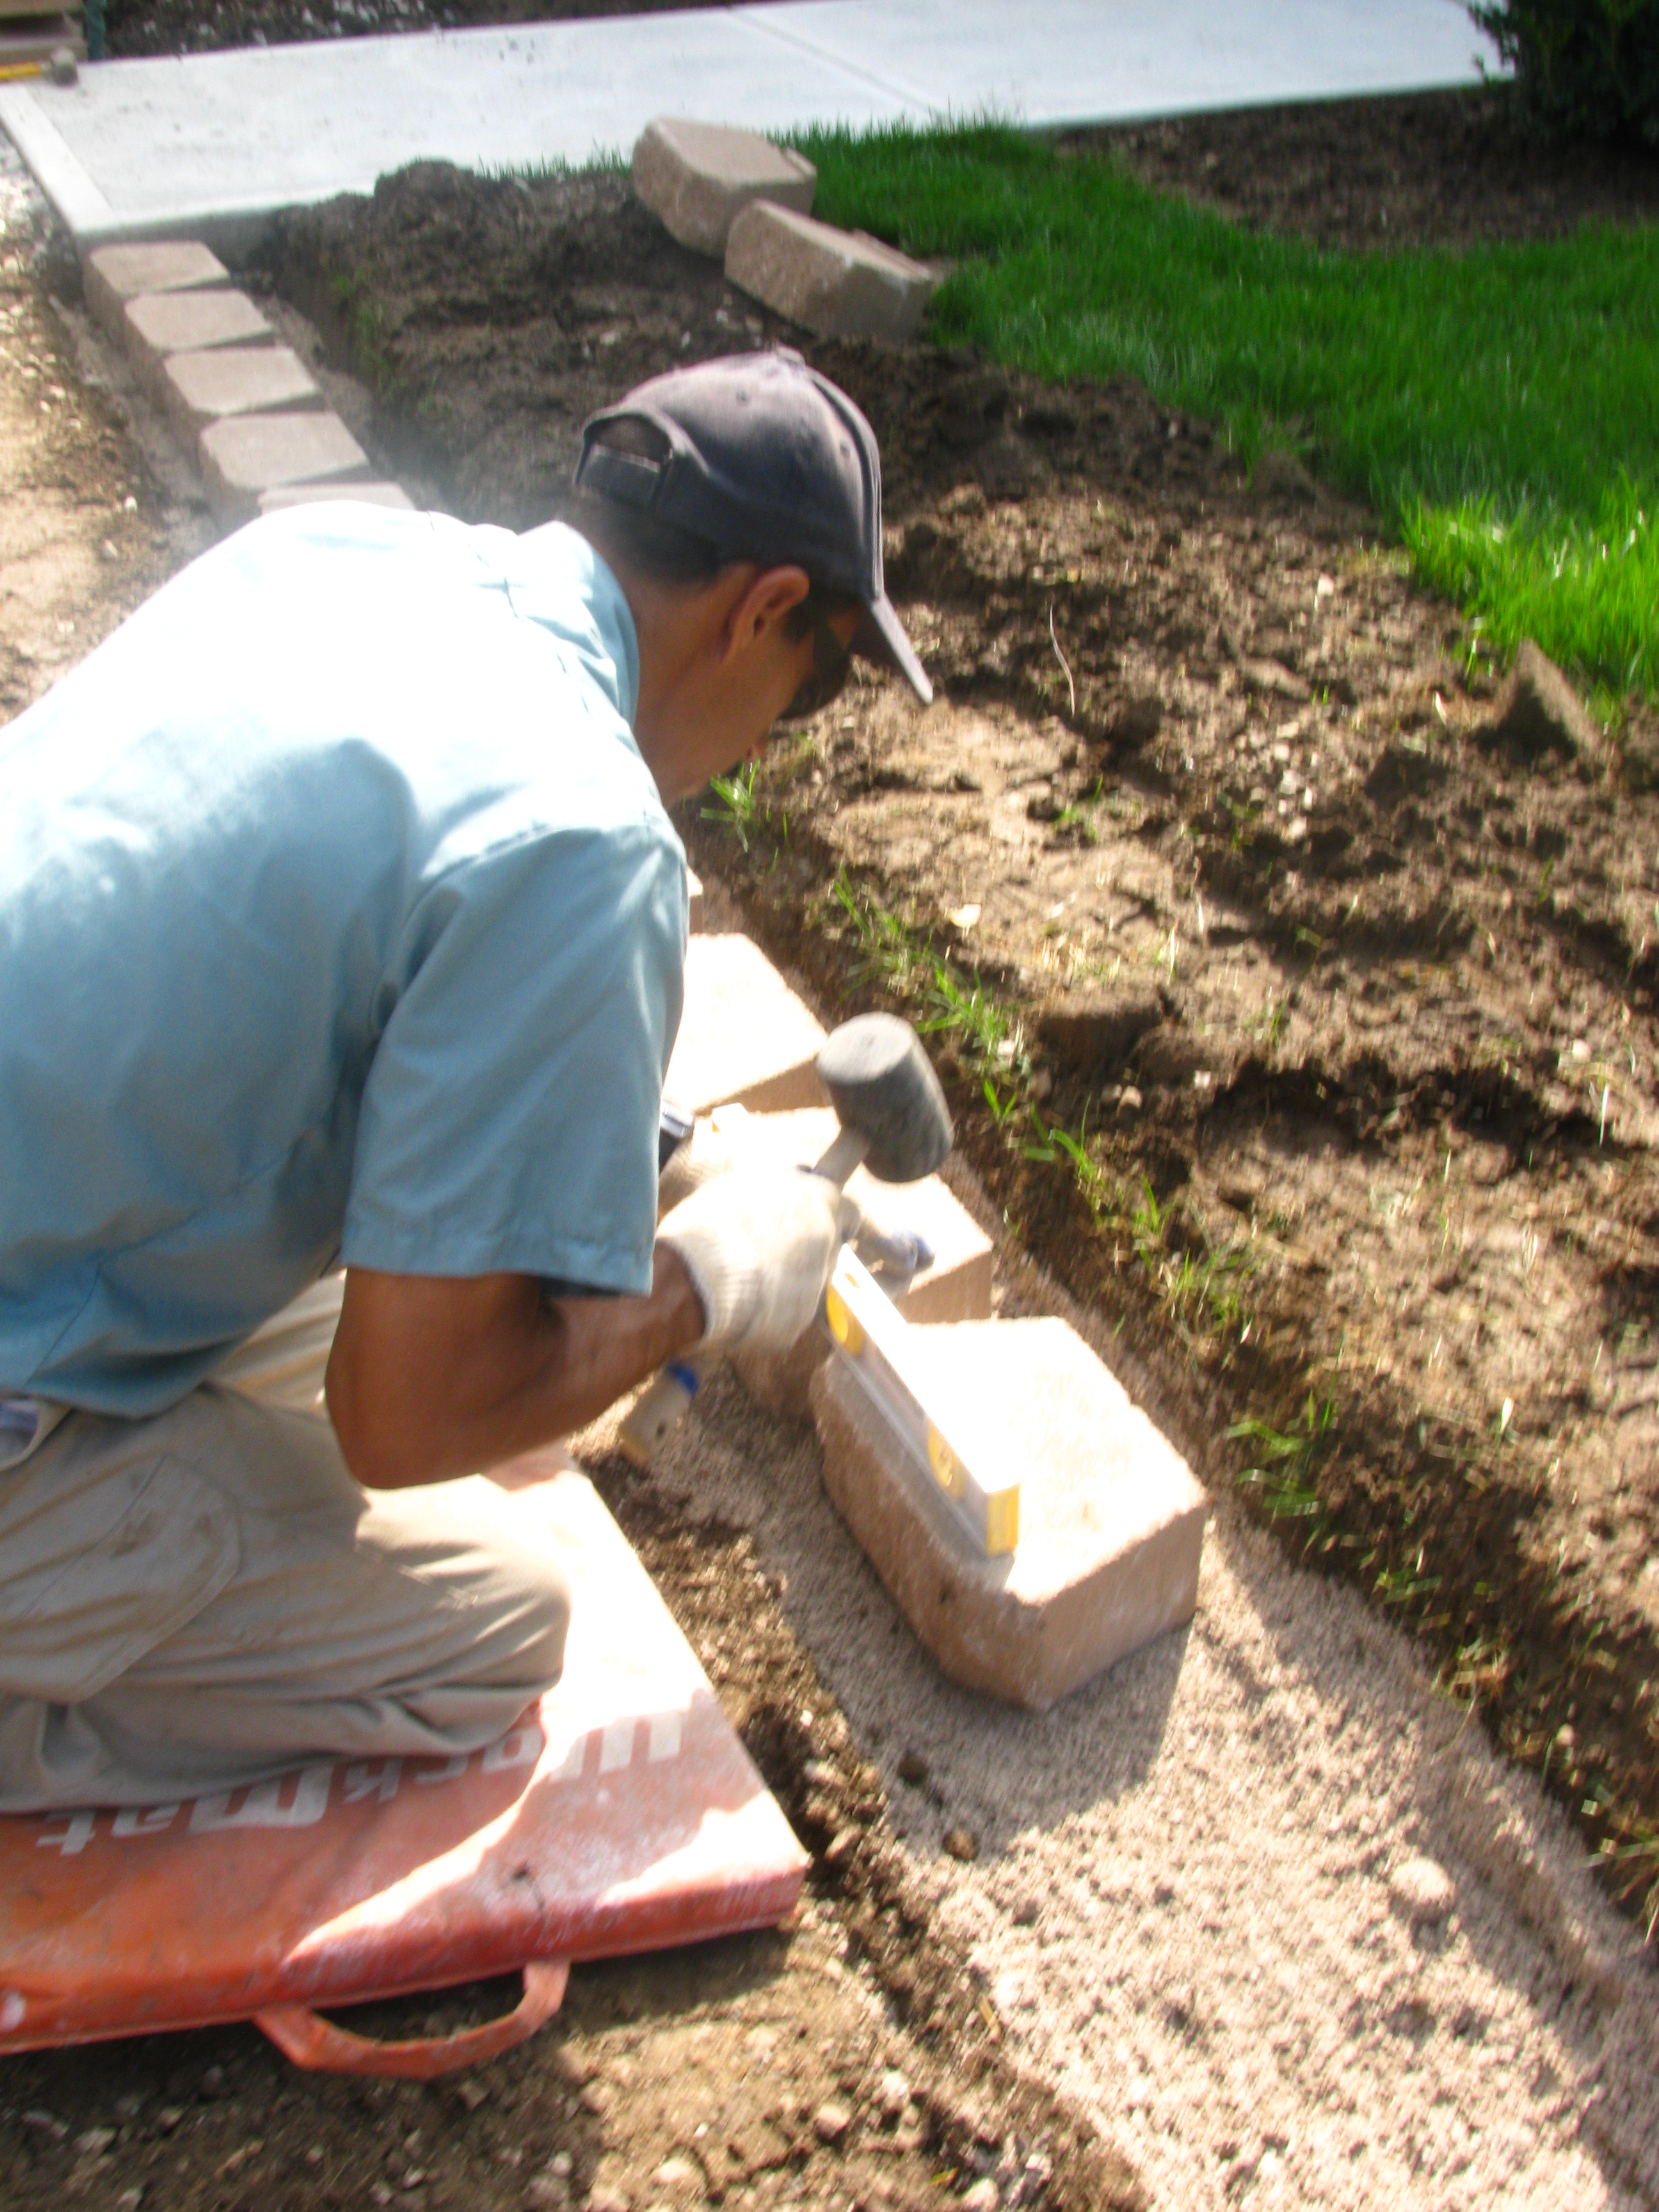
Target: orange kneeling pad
(621,1814)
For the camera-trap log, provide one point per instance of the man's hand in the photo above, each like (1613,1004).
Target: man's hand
(436,1376)
(760,1244)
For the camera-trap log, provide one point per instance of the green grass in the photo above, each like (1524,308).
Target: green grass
(1498,406)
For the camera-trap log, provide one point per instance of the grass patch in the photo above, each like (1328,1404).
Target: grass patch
(1498,406)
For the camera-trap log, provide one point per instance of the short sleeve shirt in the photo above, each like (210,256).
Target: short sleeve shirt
(339,918)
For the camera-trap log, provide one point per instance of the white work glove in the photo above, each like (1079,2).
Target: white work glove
(760,1244)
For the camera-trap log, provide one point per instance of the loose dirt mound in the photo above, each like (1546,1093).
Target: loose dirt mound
(1348,993)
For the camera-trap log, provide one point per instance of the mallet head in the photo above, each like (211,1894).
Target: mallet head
(884,1089)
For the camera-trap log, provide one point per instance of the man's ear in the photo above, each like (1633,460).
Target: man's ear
(770,598)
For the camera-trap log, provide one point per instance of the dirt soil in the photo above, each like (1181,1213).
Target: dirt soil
(1437,169)
(1354,1003)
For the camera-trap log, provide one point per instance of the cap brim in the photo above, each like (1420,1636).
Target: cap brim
(880,637)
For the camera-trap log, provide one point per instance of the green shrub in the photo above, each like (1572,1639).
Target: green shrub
(1586,68)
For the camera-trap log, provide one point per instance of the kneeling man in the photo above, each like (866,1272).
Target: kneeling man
(342,921)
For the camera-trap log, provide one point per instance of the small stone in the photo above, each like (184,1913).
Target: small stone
(894,2094)
(563,2163)
(674,2170)
(47,2123)
(960,1844)
(603,2198)
(546,2192)
(832,2121)
(1129,1100)
(168,2118)
(912,1768)
(1422,1890)
(93,2142)
(844,1843)
(214,2084)
(983,2197)
(472,2094)
(597,2098)
(1026,1910)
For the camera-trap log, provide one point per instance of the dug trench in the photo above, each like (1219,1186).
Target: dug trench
(1297,1008)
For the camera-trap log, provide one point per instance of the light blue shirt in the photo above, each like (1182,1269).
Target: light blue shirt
(339,917)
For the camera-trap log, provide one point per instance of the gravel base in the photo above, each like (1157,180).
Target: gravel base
(1195,1899)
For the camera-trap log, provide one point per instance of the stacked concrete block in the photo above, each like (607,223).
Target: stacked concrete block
(210,386)
(955,1284)
(250,455)
(743,1035)
(697,177)
(310,494)
(209,360)
(1111,1521)
(111,276)
(839,283)
(158,325)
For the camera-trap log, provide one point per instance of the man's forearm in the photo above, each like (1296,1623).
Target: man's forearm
(435,1377)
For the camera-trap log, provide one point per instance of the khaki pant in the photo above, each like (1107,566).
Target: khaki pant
(200,1600)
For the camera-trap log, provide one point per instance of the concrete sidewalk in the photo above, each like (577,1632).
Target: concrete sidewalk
(211,146)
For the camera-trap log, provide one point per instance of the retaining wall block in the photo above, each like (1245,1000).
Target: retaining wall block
(744,1035)
(212,385)
(840,284)
(1111,1521)
(159,324)
(112,275)
(313,494)
(252,454)
(697,177)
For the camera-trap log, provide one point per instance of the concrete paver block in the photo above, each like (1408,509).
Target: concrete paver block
(112,275)
(955,1287)
(310,494)
(1111,1519)
(158,323)
(744,1034)
(252,454)
(842,283)
(199,388)
(695,177)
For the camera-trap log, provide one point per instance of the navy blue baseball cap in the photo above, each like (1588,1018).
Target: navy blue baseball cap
(765,460)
